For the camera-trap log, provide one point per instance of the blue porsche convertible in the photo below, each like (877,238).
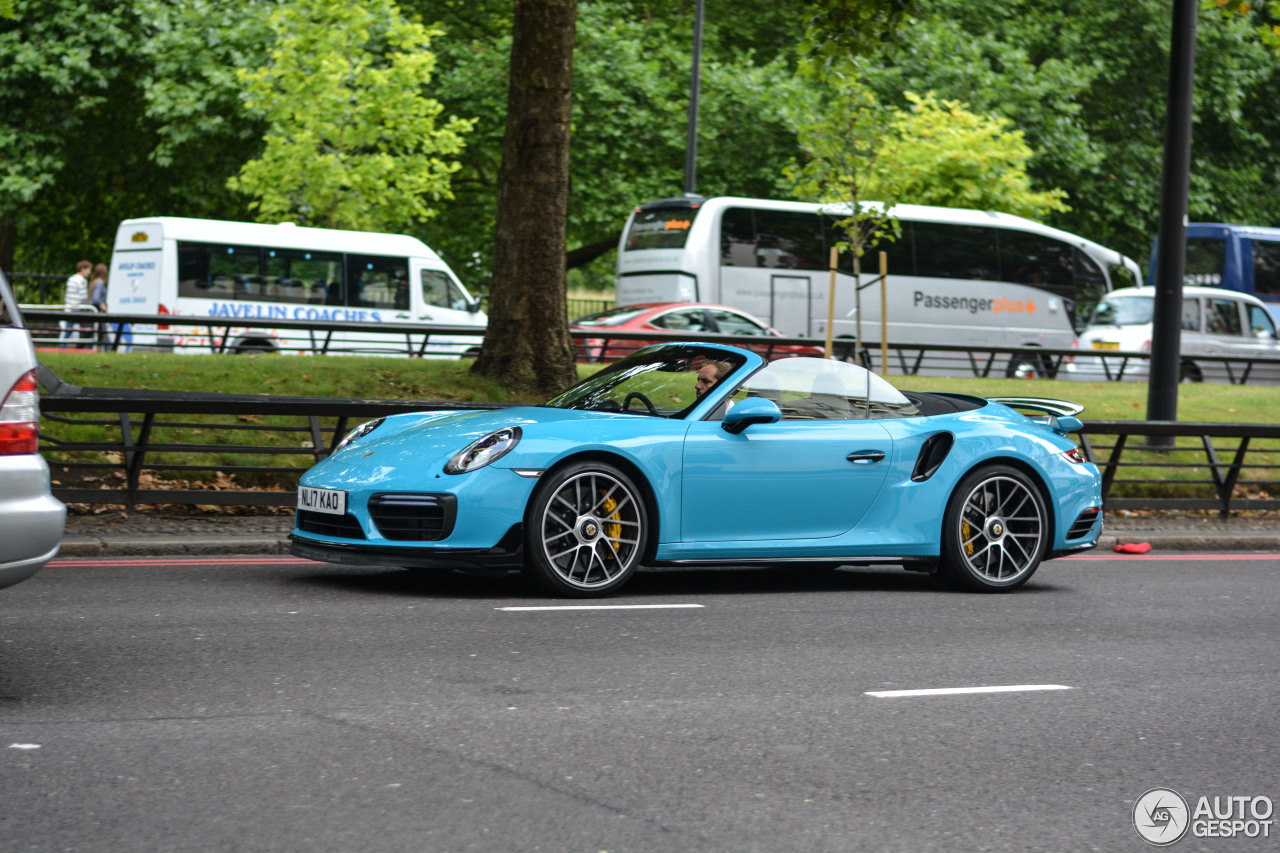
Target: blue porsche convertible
(697,454)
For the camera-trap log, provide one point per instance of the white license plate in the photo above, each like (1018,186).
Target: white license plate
(327,501)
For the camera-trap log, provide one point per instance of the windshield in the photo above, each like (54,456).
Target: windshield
(808,389)
(664,381)
(1123,311)
(660,227)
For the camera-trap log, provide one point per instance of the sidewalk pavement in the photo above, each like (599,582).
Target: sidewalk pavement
(161,533)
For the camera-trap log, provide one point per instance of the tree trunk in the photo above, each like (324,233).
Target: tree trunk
(527,345)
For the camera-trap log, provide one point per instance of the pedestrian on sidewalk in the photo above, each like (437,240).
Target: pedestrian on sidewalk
(98,299)
(75,296)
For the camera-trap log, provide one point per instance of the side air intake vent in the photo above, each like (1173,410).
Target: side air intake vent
(932,454)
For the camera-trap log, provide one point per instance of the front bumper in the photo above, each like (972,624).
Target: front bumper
(508,553)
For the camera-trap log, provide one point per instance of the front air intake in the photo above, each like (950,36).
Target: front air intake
(413,517)
(325,524)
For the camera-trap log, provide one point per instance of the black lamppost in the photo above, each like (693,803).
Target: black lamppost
(1171,241)
(691,147)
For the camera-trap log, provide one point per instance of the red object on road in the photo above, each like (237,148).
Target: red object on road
(1133,548)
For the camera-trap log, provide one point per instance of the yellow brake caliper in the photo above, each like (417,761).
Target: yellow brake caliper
(612,532)
(965,530)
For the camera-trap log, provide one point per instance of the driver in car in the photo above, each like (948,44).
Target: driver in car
(710,374)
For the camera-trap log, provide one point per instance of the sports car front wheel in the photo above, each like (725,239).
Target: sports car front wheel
(995,531)
(585,530)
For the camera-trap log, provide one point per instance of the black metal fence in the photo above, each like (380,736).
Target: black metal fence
(321,337)
(159,447)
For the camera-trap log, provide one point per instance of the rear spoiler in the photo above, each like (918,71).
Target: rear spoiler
(1058,415)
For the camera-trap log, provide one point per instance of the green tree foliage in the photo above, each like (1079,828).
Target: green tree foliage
(63,66)
(630,109)
(1087,82)
(941,153)
(352,141)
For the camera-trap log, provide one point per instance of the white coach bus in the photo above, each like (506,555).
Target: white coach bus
(965,277)
(208,268)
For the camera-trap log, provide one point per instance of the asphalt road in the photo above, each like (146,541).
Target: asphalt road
(271,704)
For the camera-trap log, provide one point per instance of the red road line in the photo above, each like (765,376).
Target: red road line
(202,561)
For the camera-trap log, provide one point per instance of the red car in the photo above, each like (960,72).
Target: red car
(696,318)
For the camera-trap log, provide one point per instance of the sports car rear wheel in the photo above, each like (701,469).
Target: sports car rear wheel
(995,531)
(586,529)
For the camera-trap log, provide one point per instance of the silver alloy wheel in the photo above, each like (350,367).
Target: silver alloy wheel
(590,529)
(1001,527)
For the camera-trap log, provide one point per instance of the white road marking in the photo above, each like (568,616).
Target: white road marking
(953,691)
(607,607)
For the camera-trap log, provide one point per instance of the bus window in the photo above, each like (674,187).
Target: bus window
(1266,269)
(897,248)
(1206,257)
(216,271)
(955,251)
(378,282)
(300,276)
(1040,261)
(738,238)
(787,240)
(660,228)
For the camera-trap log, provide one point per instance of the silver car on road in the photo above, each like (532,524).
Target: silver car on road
(31,519)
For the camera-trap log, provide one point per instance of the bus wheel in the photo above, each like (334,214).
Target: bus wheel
(252,346)
(1023,366)
(1188,372)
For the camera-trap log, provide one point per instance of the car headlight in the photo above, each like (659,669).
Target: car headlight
(482,451)
(359,432)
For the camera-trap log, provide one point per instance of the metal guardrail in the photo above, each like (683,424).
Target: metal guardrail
(600,343)
(147,425)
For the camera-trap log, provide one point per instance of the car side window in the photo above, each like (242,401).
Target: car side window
(1223,317)
(687,320)
(439,291)
(1191,315)
(731,323)
(1260,321)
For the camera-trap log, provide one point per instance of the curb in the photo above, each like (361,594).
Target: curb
(171,546)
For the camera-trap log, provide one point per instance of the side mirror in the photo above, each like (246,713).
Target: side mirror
(474,307)
(753,410)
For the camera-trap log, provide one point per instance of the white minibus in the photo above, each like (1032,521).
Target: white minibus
(955,276)
(208,268)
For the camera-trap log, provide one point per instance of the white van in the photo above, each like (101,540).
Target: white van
(167,265)
(1215,322)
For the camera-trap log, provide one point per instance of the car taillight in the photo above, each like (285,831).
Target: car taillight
(1146,346)
(1074,455)
(20,417)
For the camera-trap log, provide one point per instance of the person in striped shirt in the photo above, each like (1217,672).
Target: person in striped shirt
(77,294)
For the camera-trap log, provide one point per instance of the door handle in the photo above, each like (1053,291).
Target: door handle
(865,457)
